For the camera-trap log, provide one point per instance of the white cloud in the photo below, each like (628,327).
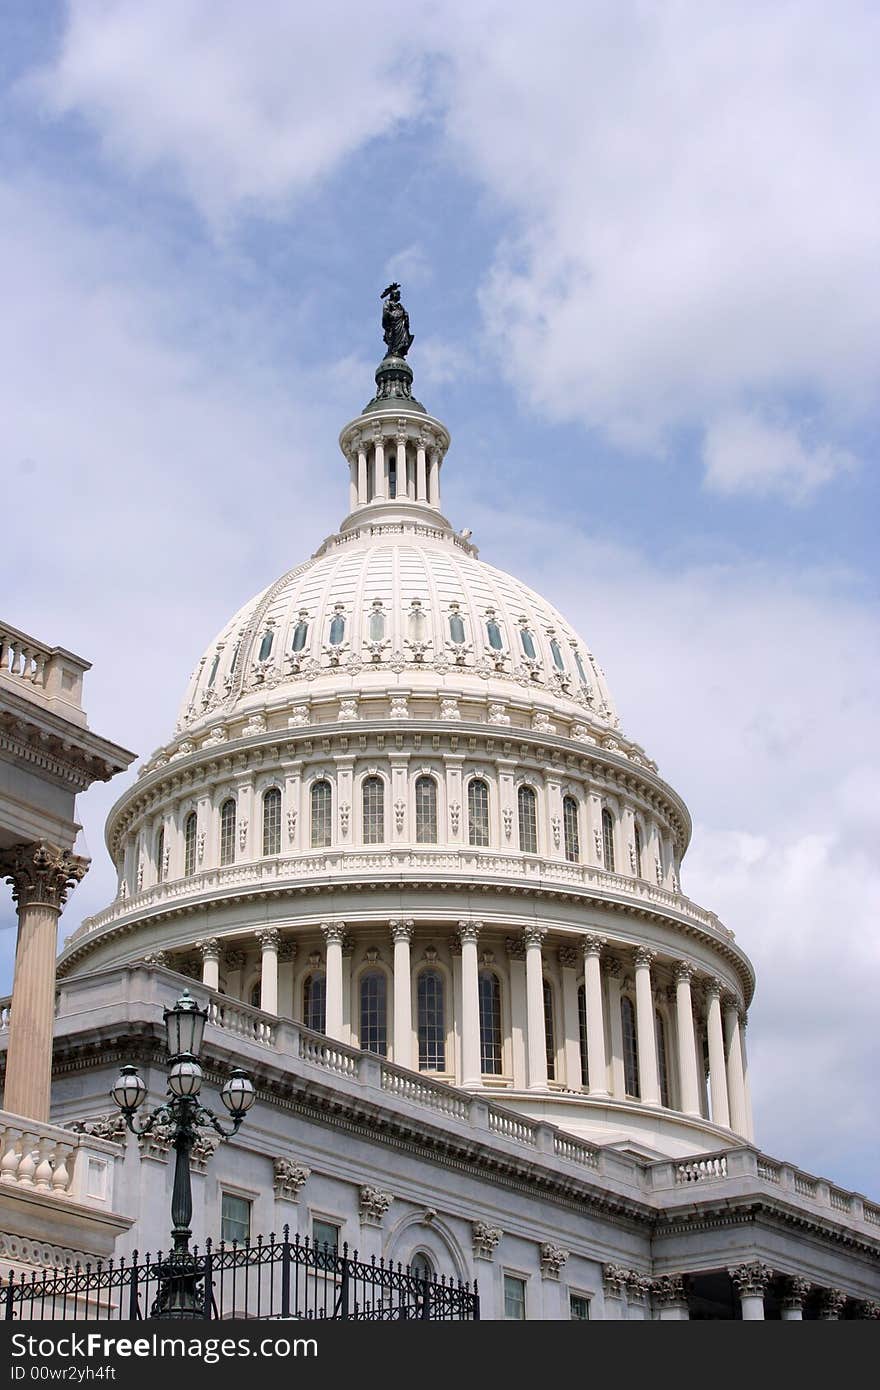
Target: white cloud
(756,691)
(745,455)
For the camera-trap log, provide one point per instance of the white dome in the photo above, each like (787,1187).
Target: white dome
(419,614)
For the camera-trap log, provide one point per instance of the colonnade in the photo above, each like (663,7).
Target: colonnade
(602,1000)
(627,1294)
(414,477)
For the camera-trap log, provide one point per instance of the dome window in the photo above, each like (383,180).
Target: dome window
(570,826)
(630,1047)
(580,665)
(637,850)
(189,844)
(582,1031)
(377,623)
(213,673)
(418,622)
(272,822)
(266,645)
(549,1032)
(528,643)
(321,801)
(374,1013)
(426,811)
(478,812)
(227,832)
(300,633)
(493,634)
(373,796)
(456,626)
(556,653)
(315,1002)
(491,1045)
(608,839)
(431,1021)
(337,629)
(527,804)
(662,1057)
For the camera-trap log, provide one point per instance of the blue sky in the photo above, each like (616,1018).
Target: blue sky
(638,247)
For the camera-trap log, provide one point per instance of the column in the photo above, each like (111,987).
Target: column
(536,1041)
(688,1090)
(41,876)
(793,1294)
(747,1090)
(568,959)
(402,489)
(379,471)
(736,1090)
(362,487)
(352,481)
(831,1305)
(210,952)
(434,478)
(750,1281)
(347,1001)
(333,933)
(421,472)
(597,1066)
(717,1070)
(471,1069)
(269,940)
(516,954)
(401,935)
(646,1033)
(613,972)
(286,957)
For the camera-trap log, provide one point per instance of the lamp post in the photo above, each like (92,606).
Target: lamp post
(178,1276)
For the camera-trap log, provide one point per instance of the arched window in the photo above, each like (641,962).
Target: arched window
(300,634)
(315,1003)
(321,802)
(608,839)
(189,844)
(493,634)
(582,1029)
(426,811)
(456,626)
(374,1012)
(662,1057)
(422,1268)
(392,476)
(337,629)
(528,820)
(213,674)
(377,625)
(549,1033)
(630,1047)
(373,793)
(227,832)
(556,653)
(580,665)
(418,623)
(266,645)
(490,1023)
(431,1012)
(528,643)
(160,854)
(478,812)
(570,828)
(256,995)
(637,845)
(272,821)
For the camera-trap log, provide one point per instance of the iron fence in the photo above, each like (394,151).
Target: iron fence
(273,1278)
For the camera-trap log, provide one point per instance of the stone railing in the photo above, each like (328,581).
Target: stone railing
(48,675)
(242,1020)
(36,1157)
(454,864)
(434,1094)
(701,1170)
(575,1151)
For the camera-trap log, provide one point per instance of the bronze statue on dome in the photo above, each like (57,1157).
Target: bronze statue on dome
(395,323)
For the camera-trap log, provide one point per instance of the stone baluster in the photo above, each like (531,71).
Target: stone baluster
(41,876)
(334,934)
(717,1066)
(471,1069)
(269,939)
(536,1043)
(688,1087)
(750,1281)
(646,1033)
(401,935)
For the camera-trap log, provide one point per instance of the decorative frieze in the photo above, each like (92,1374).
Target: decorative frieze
(486,1239)
(289,1178)
(111,1127)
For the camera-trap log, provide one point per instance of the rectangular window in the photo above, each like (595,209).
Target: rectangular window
(478,813)
(235,1218)
(579,1308)
(514,1298)
(325,1236)
(374,811)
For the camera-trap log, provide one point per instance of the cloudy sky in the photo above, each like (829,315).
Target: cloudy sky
(638,244)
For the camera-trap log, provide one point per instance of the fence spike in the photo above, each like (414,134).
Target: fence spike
(286,1230)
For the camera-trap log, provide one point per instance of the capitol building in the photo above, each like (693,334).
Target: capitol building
(433,895)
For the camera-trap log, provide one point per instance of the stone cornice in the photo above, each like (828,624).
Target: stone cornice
(63,752)
(745,1209)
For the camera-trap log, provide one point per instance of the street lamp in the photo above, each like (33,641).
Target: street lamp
(179,1295)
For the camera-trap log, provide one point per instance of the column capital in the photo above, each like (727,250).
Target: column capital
(41,873)
(593,945)
(831,1303)
(533,935)
(614,1280)
(713,988)
(684,971)
(730,1001)
(401,930)
(333,933)
(868,1308)
(644,956)
(794,1290)
(269,938)
(750,1280)
(669,1290)
(209,948)
(469,932)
